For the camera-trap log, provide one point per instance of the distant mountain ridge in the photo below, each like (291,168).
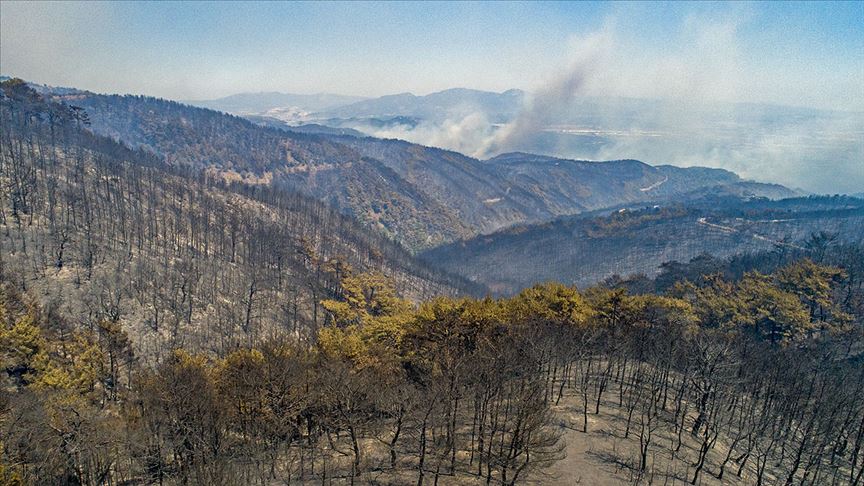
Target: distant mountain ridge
(768,142)
(602,184)
(497,107)
(257,103)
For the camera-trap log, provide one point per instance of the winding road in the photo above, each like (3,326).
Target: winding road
(655,185)
(729,229)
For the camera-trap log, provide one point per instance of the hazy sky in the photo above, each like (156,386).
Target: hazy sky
(782,52)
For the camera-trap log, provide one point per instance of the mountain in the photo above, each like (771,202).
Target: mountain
(182,258)
(585,250)
(417,195)
(456,102)
(232,148)
(178,312)
(774,143)
(274,102)
(560,183)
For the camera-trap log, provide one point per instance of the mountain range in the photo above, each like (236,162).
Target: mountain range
(259,103)
(772,143)
(435,106)
(420,196)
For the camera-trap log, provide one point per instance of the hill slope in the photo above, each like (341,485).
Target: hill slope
(586,250)
(595,185)
(106,232)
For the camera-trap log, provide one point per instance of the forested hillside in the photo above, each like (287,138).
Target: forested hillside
(102,232)
(419,196)
(585,250)
(234,149)
(750,381)
(559,182)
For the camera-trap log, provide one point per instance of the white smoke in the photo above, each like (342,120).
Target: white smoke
(473,133)
(470,134)
(555,98)
(692,120)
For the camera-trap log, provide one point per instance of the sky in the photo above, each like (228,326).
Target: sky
(802,54)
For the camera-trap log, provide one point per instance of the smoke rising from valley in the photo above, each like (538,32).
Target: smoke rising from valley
(587,94)
(682,120)
(474,134)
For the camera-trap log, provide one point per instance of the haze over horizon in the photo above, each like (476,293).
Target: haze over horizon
(793,54)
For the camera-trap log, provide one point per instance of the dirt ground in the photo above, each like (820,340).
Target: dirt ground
(600,457)
(603,457)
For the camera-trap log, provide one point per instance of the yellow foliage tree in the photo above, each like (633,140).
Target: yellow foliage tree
(365,296)
(553,303)
(22,347)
